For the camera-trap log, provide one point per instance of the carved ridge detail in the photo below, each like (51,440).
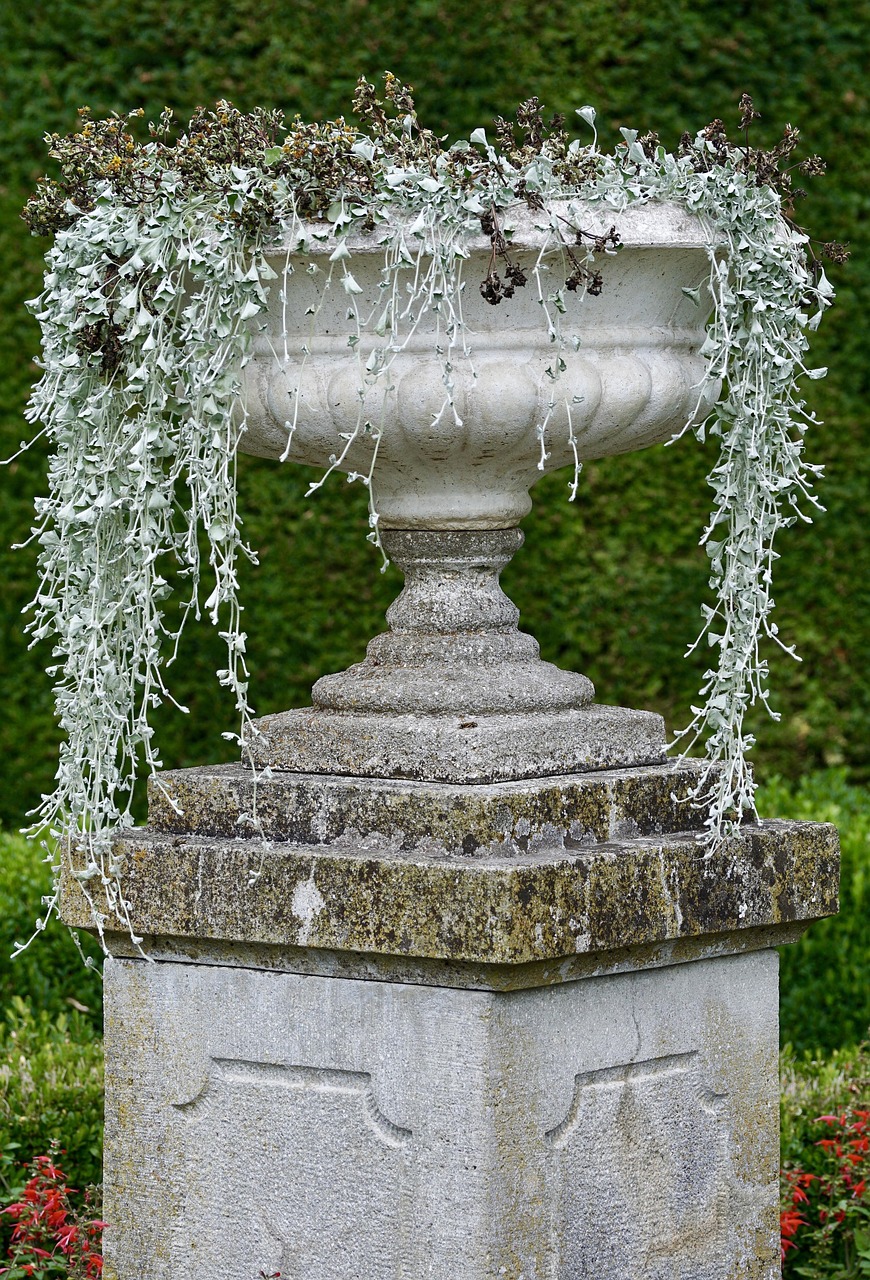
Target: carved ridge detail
(301,1077)
(628,1073)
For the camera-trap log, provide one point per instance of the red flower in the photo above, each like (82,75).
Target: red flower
(48,1227)
(789,1222)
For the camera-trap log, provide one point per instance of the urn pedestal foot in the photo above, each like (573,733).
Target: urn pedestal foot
(454,692)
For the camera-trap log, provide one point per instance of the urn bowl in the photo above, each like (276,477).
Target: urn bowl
(464,430)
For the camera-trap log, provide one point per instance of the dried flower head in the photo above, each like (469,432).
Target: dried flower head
(747,112)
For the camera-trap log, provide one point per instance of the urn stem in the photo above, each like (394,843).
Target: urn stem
(453,644)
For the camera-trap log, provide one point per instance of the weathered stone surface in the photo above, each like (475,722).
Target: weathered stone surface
(501,818)
(458,748)
(621,1128)
(489,910)
(454,691)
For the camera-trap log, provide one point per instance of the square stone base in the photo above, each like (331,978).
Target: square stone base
(615,1128)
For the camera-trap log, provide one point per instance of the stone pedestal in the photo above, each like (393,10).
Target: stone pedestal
(436,1031)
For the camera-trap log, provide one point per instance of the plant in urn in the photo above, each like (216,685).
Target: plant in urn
(444,325)
(441,936)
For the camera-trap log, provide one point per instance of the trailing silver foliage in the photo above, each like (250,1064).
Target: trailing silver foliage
(140,464)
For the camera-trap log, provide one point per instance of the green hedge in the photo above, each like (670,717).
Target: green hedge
(49,974)
(51,1087)
(824,997)
(612,584)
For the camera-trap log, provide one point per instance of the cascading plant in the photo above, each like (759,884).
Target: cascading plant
(157,280)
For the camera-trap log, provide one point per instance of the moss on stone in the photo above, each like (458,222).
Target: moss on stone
(503,818)
(493,910)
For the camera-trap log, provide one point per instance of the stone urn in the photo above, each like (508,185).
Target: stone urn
(454,691)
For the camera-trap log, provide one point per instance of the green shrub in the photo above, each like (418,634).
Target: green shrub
(56,1228)
(824,987)
(51,1089)
(818,1084)
(51,1054)
(49,974)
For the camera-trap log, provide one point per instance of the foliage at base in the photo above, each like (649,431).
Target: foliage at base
(51,1090)
(825,1198)
(53,1234)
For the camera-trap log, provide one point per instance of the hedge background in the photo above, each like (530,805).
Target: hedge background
(610,585)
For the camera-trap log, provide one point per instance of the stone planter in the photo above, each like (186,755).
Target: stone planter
(478,1003)
(630,384)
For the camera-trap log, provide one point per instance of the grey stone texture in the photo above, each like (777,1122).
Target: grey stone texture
(485,910)
(459,748)
(619,1128)
(454,692)
(453,644)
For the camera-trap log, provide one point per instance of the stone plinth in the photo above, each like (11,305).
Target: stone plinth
(434,1031)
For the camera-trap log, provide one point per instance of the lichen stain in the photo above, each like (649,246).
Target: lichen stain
(607,897)
(511,818)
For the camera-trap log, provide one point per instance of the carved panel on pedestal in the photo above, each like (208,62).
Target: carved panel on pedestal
(643,1169)
(299,1168)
